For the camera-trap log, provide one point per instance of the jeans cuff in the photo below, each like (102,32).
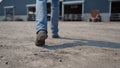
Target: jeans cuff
(41,30)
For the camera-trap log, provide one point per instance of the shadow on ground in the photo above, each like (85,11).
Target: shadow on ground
(83,42)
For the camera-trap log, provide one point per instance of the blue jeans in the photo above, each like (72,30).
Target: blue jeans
(41,15)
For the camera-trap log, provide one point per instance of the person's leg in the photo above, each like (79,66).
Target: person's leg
(54,16)
(41,15)
(41,22)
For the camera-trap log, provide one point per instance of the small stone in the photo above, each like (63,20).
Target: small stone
(6,63)
(1,45)
(60,60)
(115,60)
(35,54)
(1,56)
(116,54)
(80,49)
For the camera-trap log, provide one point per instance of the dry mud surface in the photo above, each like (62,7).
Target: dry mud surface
(82,45)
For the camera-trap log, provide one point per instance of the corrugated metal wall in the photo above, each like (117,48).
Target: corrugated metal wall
(101,5)
(19,6)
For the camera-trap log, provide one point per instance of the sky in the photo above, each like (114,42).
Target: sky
(0,0)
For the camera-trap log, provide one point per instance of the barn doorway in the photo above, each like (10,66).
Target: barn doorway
(72,12)
(115,11)
(9,13)
(31,12)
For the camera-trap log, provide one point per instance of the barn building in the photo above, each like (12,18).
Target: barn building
(73,10)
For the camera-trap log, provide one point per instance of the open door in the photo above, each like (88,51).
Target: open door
(31,13)
(9,13)
(115,11)
(72,12)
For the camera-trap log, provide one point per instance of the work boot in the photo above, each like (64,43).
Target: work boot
(41,36)
(55,36)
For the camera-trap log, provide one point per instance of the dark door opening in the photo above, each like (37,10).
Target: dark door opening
(31,13)
(115,11)
(9,13)
(73,12)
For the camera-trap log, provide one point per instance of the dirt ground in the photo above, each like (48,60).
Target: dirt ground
(82,45)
